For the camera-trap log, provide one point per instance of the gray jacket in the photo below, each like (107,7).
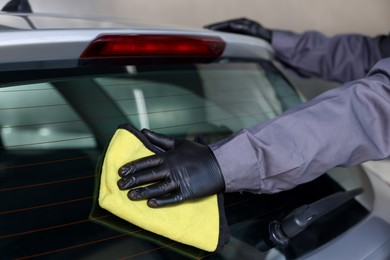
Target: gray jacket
(342,127)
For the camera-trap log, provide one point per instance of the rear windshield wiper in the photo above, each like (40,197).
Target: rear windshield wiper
(280,232)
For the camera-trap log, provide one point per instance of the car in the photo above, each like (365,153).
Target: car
(67,83)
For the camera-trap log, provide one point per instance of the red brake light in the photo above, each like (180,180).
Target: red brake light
(149,46)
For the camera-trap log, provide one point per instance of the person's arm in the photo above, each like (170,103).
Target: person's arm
(342,127)
(340,58)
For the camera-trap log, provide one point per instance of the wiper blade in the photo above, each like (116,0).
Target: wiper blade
(299,219)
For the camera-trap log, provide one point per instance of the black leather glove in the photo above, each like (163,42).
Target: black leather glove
(242,26)
(186,170)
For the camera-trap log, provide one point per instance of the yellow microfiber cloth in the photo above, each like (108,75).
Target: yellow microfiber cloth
(199,223)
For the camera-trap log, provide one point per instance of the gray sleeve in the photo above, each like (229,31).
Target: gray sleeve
(340,58)
(344,126)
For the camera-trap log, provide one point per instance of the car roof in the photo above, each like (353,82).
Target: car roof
(36,41)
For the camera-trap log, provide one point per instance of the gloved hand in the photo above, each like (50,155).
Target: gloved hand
(242,26)
(186,170)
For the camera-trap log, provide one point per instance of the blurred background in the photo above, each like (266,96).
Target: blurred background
(330,17)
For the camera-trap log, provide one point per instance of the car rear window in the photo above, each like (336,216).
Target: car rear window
(178,102)
(54,129)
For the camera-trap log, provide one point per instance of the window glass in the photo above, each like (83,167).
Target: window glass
(36,116)
(211,100)
(207,100)
(54,129)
